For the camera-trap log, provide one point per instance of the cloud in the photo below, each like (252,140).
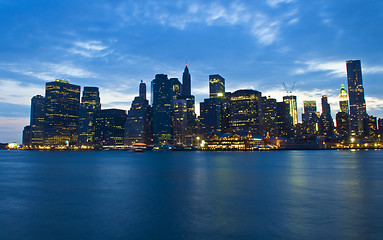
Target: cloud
(89,49)
(16,92)
(264,27)
(335,68)
(47,71)
(275,3)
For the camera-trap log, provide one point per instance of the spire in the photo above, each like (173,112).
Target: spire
(142,90)
(186,82)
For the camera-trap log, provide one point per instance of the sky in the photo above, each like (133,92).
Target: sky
(256,45)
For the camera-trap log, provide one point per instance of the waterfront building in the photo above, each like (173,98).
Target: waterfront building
(309,107)
(292,104)
(216,86)
(326,127)
(162,96)
(380,127)
(90,103)
(27,136)
(269,111)
(370,128)
(284,120)
(241,140)
(62,101)
(245,111)
(109,127)
(179,120)
(37,120)
(356,96)
(210,115)
(343,100)
(137,127)
(343,125)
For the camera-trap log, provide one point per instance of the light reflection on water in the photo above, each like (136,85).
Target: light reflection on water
(191,195)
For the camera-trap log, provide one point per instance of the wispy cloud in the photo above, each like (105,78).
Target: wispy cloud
(16,92)
(11,125)
(89,49)
(47,71)
(264,27)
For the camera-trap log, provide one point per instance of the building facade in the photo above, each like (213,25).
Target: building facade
(37,120)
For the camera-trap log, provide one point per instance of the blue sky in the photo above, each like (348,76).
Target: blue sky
(252,44)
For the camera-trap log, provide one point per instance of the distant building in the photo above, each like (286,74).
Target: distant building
(216,86)
(37,120)
(210,115)
(90,104)
(269,118)
(62,101)
(343,125)
(292,104)
(284,120)
(309,107)
(179,121)
(326,127)
(380,127)
(176,88)
(343,100)
(109,127)
(245,111)
(370,127)
(356,96)
(27,136)
(137,127)
(186,82)
(162,96)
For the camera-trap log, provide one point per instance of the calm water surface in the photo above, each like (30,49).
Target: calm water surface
(191,195)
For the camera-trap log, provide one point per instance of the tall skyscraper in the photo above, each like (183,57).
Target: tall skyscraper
(186,82)
(356,96)
(216,86)
(269,111)
(245,111)
(284,120)
(343,125)
(179,120)
(62,101)
(162,98)
(137,127)
(27,136)
(309,107)
(343,100)
(210,115)
(176,88)
(325,106)
(109,127)
(37,120)
(90,103)
(326,126)
(292,103)
(142,90)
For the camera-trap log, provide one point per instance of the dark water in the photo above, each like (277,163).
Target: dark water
(191,195)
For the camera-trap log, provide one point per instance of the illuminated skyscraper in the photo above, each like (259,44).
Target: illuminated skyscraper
(245,111)
(269,111)
(27,136)
(343,100)
(309,107)
(356,96)
(292,103)
(326,126)
(109,127)
(137,127)
(216,86)
(186,82)
(179,121)
(90,103)
(62,101)
(162,97)
(37,120)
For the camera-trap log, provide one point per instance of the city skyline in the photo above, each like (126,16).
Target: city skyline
(254,46)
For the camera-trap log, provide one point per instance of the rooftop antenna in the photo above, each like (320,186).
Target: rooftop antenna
(287,91)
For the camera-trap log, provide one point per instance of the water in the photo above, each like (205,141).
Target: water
(191,195)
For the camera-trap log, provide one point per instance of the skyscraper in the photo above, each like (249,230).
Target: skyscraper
(216,86)
(343,100)
(90,103)
(162,108)
(137,127)
(109,127)
(245,111)
(326,126)
(37,120)
(179,120)
(269,111)
(186,82)
(309,107)
(292,103)
(62,101)
(325,106)
(356,96)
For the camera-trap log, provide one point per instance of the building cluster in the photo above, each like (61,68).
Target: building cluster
(243,118)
